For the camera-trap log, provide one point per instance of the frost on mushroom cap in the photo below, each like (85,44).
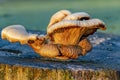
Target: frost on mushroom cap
(92,23)
(17,33)
(77,16)
(71,31)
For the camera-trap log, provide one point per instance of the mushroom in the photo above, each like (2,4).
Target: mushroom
(74,30)
(58,16)
(17,33)
(77,16)
(66,36)
(71,31)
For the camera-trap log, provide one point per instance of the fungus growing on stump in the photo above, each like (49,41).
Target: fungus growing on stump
(66,36)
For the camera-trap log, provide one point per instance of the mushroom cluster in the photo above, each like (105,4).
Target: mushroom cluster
(66,36)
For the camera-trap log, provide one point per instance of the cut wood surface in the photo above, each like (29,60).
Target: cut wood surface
(20,62)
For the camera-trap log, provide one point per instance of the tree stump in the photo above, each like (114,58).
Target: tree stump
(20,62)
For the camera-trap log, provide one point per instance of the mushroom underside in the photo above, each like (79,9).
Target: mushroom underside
(72,33)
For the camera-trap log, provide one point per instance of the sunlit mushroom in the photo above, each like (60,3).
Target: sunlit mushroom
(17,33)
(58,16)
(71,31)
(66,36)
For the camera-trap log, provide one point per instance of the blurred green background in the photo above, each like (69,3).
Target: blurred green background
(35,14)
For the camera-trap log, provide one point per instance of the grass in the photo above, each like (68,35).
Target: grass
(35,14)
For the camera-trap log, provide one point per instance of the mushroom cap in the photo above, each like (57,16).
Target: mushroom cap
(67,28)
(58,16)
(17,33)
(78,16)
(71,31)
